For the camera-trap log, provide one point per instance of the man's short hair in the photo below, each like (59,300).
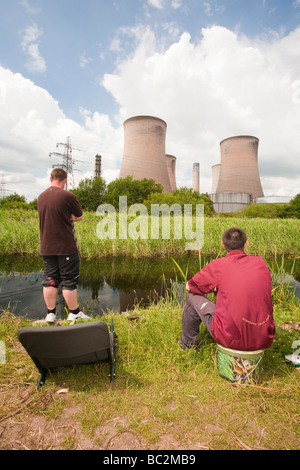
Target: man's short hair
(59,174)
(234,239)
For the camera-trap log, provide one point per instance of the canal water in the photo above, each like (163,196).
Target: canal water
(105,285)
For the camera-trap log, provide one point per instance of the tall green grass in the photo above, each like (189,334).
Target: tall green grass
(19,234)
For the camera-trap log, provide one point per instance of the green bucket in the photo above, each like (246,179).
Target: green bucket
(239,366)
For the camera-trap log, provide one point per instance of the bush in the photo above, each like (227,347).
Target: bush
(295,207)
(182,196)
(272,210)
(135,190)
(90,193)
(12,198)
(264,211)
(15,205)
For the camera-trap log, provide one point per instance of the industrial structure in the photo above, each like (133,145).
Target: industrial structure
(196,177)
(171,165)
(236,181)
(67,161)
(215,177)
(3,188)
(98,165)
(144,153)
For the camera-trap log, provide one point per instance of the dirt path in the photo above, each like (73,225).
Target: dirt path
(23,429)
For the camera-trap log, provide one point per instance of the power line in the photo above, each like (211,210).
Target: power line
(67,160)
(3,189)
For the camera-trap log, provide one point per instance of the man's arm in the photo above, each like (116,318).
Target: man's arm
(75,208)
(204,281)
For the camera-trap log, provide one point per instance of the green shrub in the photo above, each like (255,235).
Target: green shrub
(182,196)
(136,191)
(90,193)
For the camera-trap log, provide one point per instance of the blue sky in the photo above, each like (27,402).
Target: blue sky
(80,68)
(75,37)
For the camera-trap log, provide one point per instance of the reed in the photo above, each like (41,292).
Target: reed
(19,234)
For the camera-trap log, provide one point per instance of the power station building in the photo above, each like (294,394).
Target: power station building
(236,181)
(144,153)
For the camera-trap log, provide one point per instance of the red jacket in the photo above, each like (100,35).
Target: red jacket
(243,317)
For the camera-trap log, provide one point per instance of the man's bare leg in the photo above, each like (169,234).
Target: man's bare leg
(71,299)
(50,296)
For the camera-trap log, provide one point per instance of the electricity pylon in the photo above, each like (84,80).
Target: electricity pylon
(68,162)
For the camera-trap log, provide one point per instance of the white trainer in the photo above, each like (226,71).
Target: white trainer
(51,318)
(73,317)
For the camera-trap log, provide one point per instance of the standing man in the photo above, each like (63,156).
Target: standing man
(242,317)
(58,210)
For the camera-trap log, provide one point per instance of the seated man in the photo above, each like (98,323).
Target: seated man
(242,317)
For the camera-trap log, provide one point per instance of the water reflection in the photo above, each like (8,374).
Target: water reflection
(105,285)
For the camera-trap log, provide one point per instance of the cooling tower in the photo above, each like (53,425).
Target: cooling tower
(196,177)
(215,177)
(171,165)
(239,166)
(144,150)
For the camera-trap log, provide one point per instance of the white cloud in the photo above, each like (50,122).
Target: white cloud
(32,123)
(139,38)
(156,4)
(30,45)
(207,8)
(115,45)
(172,30)
(31,10)
(206,90)
(223,85)
(176,4)
(160,4)
(84,60)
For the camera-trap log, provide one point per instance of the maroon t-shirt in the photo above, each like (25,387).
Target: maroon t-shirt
(244,310)
(57,233)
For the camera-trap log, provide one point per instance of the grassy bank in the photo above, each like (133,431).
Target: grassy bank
(162,398)
(19,233)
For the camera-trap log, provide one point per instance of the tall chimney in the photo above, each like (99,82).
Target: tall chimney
(196,177)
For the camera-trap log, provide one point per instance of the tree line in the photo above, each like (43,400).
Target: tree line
(92,192)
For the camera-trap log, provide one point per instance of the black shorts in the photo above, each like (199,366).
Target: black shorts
(62,270)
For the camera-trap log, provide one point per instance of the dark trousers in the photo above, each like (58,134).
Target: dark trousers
(197,309)
(63,270)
